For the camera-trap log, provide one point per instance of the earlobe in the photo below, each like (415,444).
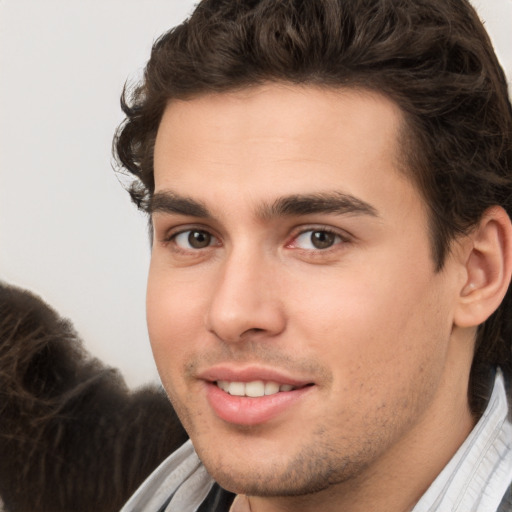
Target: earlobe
(488,265)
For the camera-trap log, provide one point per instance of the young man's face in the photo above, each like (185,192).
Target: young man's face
(291,256)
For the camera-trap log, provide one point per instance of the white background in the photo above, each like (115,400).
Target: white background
(68,231)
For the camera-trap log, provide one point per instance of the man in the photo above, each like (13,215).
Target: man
(329,184)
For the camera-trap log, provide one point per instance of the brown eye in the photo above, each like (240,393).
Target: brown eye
(322,239)
(317,239)
(199,239)
(193,239)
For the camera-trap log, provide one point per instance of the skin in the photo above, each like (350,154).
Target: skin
(366,321)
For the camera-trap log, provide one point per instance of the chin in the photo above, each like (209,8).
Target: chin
(309,472)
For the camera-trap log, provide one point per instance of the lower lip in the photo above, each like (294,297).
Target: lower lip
(242,410)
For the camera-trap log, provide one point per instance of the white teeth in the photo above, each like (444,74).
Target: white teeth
(254,389)
(236,388)
(271,388)
(223,384)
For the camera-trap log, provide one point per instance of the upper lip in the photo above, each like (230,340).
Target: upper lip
(249,374)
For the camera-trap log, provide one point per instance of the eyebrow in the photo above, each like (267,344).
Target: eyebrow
(287,206)
(307,204)
(169,202)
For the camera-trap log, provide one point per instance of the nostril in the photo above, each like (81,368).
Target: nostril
(251,332)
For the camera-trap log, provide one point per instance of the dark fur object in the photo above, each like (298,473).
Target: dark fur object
(73,438)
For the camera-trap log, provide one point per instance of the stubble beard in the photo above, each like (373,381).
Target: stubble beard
(327,461)
(313,470)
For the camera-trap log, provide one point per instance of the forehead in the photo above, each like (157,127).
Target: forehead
(278,138)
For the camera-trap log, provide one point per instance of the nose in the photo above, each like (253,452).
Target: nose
(245,301)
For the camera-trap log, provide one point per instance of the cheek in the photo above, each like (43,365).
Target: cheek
(375,325)
(172,312)
(172,318)
(383,353)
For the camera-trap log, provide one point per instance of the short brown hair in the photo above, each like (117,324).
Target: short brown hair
(432,57)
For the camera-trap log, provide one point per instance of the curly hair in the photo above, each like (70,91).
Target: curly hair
(431,57)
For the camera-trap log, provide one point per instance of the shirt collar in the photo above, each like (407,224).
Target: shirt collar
(479,474)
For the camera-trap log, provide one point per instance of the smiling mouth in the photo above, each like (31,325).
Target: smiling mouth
(256,388)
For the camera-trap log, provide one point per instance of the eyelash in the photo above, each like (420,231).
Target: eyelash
(343,238)
(170,238)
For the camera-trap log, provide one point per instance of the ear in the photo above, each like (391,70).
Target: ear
(488,265)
